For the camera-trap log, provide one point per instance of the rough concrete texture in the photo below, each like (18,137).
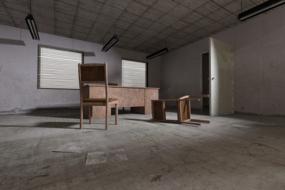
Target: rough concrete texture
(48,151)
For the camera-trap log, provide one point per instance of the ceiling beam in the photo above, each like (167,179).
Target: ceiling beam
(74,18)
(54,16)
(95,21)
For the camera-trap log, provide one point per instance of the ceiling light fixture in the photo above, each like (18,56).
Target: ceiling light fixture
(157,53)
(263,7)
(32,25)
(110,43)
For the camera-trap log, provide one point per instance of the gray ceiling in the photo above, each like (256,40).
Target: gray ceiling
(143,25)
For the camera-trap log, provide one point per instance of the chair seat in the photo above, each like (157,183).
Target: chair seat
(100,100)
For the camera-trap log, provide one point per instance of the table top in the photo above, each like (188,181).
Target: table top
(117,86)
(175,100)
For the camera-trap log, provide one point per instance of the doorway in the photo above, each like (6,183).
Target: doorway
(206,83)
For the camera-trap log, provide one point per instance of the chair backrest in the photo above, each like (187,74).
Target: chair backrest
(93,73)
(184,97)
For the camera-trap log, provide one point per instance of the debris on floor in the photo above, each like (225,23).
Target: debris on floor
(103,157)
(95,158)
(69,148)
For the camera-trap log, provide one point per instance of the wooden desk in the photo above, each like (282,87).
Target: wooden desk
(139,99)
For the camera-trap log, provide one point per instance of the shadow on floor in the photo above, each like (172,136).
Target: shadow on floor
(142,120)
(56,125)
(59,112)
(173,109)
(168,121)
(63,112)
(63,125)
(100,126)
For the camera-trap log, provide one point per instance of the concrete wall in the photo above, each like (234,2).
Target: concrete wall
(18,70)
(154,71)
(181,71)
(259,79)
(259,47)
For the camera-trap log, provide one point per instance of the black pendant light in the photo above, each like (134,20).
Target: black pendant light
(32,25)
(157,53)
(259,9)
(110,43)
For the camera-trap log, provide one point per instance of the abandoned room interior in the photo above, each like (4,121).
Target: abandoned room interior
(142,94)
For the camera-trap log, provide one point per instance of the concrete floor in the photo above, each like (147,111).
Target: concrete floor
(47,151)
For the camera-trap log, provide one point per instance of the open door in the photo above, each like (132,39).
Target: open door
(221,94)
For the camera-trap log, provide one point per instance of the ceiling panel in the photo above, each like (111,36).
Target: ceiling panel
(141,25)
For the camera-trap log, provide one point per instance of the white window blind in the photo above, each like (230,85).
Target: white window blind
(58,68)
(133,73)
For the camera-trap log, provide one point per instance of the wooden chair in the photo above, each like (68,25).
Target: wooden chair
(90,74)
(183,110)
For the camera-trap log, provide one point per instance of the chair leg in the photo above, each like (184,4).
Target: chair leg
(90,114)
(106,118)
(116,115)
(81,115)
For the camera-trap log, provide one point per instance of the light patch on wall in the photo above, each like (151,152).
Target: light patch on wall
(133,73)
(58,68)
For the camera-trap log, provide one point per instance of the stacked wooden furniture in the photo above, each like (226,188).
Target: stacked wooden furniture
(183,110)
(136,98)
(91,74)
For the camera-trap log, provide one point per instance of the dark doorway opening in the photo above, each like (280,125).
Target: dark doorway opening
(206,83)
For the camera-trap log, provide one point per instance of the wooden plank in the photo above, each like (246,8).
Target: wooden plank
(158,110)
(183,110)
(150,94)
(118,86)
(174,100)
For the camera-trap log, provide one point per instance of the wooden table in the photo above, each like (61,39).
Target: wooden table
(137,98)
(183,110)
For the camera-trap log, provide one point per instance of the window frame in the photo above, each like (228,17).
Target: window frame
(146,71)
(39,64)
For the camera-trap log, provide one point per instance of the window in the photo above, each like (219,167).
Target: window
(133,73)
(58,68)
